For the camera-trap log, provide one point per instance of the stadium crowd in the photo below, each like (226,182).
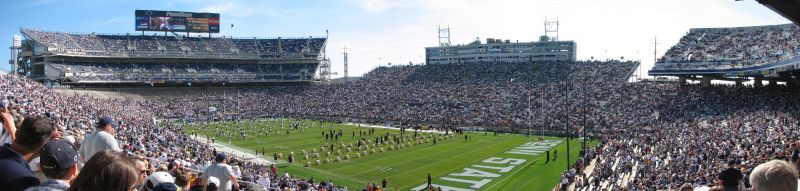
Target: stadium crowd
(675,134)
(175,46)
(725,48)
(652,135)
(131,141)
(182,73)
(483,94)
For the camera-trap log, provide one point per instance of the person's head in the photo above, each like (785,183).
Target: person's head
(33,134)
(141,170)
(105,123)
(686,187)
(157,178)
(213,184)
(221,157)
(107,170)
(200,182)
(58,160)
(732,163)
(775,175)
(166,186)
(182,181)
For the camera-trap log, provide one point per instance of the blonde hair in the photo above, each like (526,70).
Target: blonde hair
(775,175)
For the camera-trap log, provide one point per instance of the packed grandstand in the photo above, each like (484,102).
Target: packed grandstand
(652,135)
(93,58)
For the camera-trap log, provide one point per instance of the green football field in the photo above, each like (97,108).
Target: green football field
(484,162)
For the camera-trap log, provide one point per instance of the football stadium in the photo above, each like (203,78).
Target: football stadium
(188,101)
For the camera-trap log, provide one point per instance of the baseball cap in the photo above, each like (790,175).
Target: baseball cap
(213,180)
(58,155)
(221,156)
(166,186)
(157,178)
(106,120)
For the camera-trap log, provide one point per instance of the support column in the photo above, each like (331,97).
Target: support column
(757,82)
(705,81)
(682,80)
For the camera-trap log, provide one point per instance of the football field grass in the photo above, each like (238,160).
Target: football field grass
(484,162)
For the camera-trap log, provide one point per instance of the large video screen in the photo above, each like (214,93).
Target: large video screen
(176,21)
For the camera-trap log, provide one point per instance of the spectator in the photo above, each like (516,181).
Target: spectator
(59,163)
(199,185)
(107,170)
(101,139)
(731,178)
(775,175)
(156,179)
(182,181)
(223,172)
(32,135)
(213,184)
(686,187)
(7,133)
(166,186)
(143,172)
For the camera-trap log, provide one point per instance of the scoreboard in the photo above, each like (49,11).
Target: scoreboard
(177,21)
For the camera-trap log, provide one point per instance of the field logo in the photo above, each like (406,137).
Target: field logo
(493,167)
(383,168)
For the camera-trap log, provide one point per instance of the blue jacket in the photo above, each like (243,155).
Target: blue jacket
(16,174)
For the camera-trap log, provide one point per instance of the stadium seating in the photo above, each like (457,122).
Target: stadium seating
(62,43)
(148,72)
(727,48)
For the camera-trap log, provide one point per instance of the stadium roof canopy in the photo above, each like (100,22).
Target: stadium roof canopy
(786,8)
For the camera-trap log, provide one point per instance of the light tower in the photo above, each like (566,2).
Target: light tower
(325,64)
(345,63)
(551,29)
(655,49)
(444,36)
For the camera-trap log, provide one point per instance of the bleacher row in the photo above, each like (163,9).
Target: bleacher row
(728,48)
(141,72)
(171,46)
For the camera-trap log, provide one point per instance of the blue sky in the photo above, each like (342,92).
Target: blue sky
(378,32)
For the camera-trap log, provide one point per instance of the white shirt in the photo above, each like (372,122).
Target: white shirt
(221,171)
(264,182)
(98,141)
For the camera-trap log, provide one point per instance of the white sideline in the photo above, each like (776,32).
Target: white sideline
(242,153)
(387,127)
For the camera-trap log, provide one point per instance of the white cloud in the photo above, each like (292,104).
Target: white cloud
(115,20)
(376,5)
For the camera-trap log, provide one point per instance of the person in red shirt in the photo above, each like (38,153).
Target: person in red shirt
(274,170)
